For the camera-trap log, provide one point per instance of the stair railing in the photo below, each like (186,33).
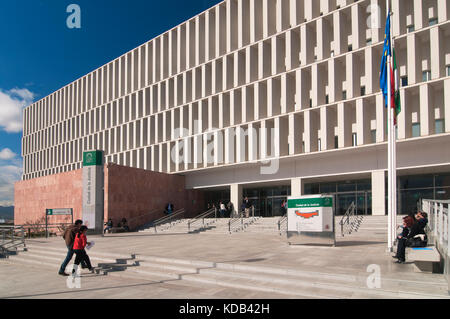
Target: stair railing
(177,215)
(282,222)
(201,218)
(145,216)
(12,237)
(350,221)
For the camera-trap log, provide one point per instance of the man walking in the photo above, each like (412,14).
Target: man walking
(69,237)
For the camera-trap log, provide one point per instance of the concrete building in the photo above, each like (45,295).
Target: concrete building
(265,99)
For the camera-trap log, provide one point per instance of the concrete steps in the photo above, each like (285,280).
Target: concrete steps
(292,283)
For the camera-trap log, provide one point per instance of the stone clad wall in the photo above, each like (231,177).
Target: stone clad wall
(33,197)
(129,193)
(133,193)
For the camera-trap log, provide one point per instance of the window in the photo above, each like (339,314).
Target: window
(404,81)
(410,28)
(344,95)
(439,126)
(416,130)
(433,21)
(426,76)
(319,145)
(363,90)
(336,142)
(448,70)
(354,139)
(373,135)
(327,99)
(369,41)
(350,48)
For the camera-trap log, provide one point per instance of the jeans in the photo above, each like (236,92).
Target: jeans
(81,256)
(401,247)
(66,261)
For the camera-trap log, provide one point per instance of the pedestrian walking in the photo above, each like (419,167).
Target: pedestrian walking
(79,246)
(69,237)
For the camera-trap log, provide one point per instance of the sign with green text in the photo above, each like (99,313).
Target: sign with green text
(93,158)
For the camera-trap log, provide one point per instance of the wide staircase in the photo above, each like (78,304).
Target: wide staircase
(283,282)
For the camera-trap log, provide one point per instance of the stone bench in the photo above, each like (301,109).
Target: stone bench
(426,259)
(116,230)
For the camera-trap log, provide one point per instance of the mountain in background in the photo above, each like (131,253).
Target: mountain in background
(7,212)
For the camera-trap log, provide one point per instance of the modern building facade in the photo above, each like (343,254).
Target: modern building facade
(266,99)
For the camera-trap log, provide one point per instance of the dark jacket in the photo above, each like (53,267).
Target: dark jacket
(418,228)
(69,235)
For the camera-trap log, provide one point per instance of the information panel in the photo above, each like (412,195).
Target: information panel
(311,220)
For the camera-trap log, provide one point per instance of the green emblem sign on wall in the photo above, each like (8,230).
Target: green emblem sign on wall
(94,158)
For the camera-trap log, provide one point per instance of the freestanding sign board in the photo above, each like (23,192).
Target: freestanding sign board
(93,180)
(311,220)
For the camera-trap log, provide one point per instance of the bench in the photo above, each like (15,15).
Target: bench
(426,259)
(116,230)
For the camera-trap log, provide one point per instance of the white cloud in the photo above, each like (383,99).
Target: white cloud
(12,103)
(7,154)
(9,174)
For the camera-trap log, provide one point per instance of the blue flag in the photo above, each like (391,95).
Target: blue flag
(386,52)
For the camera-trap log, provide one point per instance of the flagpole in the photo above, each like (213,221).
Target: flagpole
(390,148)
(394,157)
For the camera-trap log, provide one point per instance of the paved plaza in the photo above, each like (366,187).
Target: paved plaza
(206,265)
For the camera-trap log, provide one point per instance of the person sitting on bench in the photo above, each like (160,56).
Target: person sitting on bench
(416,237)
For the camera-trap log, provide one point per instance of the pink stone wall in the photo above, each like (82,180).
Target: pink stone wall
(129,193)
(134,193)
(33,197)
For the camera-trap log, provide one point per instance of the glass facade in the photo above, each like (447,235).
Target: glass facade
(415,187)
(267,200)
(346,192)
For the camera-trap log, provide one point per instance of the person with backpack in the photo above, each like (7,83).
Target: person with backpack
(79,246)
(69,237)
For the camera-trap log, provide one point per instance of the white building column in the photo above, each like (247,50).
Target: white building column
(297,187)
(378,193)
(447,104)
(236,193)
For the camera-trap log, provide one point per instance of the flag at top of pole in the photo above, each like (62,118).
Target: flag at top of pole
(384,60)
(388,86)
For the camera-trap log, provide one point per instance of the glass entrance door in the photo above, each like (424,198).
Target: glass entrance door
(361,200)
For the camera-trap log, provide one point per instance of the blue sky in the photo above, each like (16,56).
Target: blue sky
(39,54)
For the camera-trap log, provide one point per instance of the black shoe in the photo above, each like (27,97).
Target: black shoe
(395,256)
(63,274)
(400,261)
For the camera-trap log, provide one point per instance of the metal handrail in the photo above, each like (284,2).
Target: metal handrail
(241,225)
(281,220)
(169,218)
(438,229)
(144,215)
(9,239)
(349,220)
(202,218)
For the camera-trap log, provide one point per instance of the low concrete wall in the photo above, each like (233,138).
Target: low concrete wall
(33,197)
(129,193)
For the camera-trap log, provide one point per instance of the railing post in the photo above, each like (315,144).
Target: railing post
(435,218)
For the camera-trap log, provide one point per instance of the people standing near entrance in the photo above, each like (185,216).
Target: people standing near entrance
(79,246)
(223,209)
(247,206)
(230,209)
(169,209)
(69,237)
(284,207)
